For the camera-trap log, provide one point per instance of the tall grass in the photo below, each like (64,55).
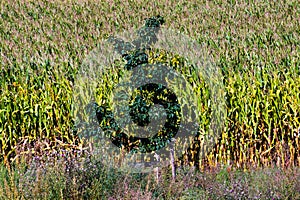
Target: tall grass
(65,176)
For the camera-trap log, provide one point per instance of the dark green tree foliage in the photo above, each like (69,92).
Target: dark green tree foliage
(135,54)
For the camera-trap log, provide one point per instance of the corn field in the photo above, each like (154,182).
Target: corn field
(255,44)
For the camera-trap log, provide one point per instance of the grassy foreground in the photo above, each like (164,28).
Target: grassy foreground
(66,176)
(255,44)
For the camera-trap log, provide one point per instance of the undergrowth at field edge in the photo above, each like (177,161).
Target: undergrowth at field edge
(80,175)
